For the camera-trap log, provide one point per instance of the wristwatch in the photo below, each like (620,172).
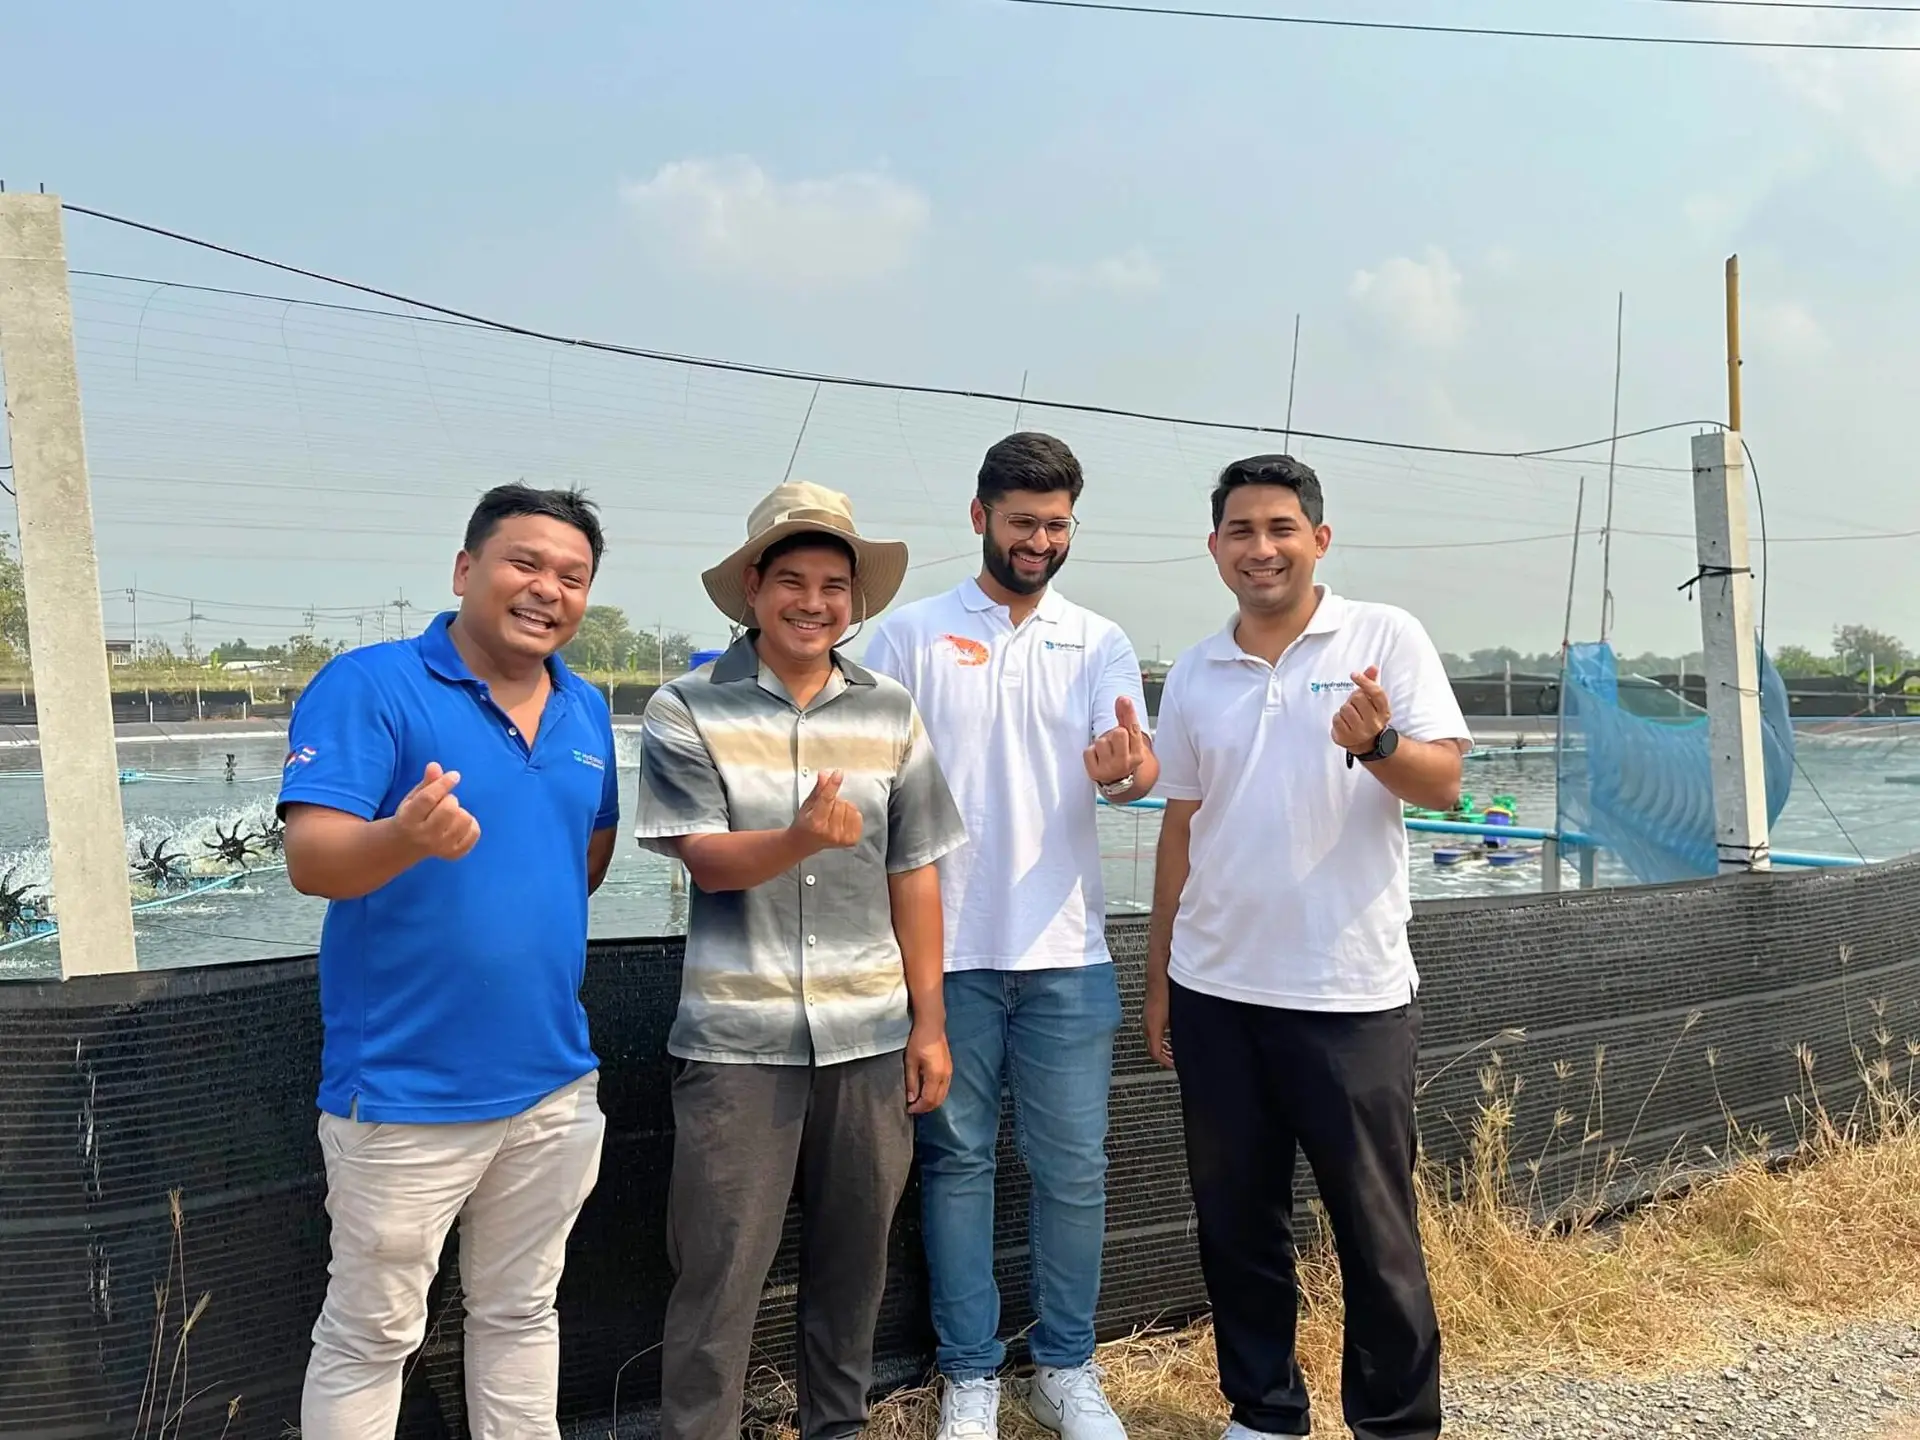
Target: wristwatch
(1122,786)
(1384,744)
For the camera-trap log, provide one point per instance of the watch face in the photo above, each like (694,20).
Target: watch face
(1389,740)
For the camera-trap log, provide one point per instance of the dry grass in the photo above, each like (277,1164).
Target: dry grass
(1775,1248)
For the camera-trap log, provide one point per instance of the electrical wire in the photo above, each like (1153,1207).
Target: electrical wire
(1824,6)
(1766,569)
(741,367)
(1716,42)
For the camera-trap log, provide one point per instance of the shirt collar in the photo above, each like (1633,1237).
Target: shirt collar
(976,600)
(444,659)
(1328,615)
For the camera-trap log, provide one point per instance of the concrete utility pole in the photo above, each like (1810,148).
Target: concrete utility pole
(1732,663)
(85,828)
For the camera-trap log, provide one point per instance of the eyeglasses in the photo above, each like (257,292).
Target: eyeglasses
(1024,527)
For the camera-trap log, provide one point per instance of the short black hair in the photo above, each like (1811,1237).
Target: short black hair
(1281,470)
(1029,461)
(503,502)
(805,540)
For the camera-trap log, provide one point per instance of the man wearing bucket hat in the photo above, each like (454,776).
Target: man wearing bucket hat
(802,795)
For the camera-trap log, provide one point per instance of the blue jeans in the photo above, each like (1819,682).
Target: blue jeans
(1047,1035)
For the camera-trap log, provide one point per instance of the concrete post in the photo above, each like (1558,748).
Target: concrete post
(85,829)
(1732,668)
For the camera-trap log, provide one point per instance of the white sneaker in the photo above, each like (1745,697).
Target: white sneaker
(969,1410)
(1072,1405)
(1237,1431)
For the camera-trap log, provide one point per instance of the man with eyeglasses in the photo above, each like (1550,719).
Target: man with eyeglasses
(1033,704)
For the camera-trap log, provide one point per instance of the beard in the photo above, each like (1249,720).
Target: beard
(999,565)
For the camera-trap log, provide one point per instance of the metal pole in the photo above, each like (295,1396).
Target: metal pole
(1733,344)
(1549,867)
(1613,450)
(1293,376)
(86,830)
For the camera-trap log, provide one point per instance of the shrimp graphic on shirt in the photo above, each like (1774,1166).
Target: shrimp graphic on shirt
(966,651)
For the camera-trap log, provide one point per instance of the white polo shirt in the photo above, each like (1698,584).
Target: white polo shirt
(1297,895)
(1011,710)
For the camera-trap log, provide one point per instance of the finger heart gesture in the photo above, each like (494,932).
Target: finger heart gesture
(1367,712)
(433,819)
(825,820)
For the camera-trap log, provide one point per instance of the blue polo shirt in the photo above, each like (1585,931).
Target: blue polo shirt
(453,992)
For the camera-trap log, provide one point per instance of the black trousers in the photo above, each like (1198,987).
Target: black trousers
(1257,1085)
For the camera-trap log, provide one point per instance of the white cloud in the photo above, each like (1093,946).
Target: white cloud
(1871,100)
(1418,300)
(1783,330)
(1132,272)
(729,216)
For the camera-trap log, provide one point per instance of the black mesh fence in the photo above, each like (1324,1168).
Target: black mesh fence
(157,1131)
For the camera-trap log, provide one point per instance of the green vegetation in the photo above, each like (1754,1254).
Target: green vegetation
(1863,653)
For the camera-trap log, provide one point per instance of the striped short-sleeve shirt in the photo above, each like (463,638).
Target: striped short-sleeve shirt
(804,969)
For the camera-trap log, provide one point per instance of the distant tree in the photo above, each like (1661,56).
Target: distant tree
(1798,662)
(240,650)
(305,652)
(13,603)
(1858,646)
(647,653)
(604,641)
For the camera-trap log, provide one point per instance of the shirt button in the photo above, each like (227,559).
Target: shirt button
(809,879)
(512,731)
(810,940)
(804,772)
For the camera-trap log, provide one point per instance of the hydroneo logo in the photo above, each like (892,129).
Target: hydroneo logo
(1337,687)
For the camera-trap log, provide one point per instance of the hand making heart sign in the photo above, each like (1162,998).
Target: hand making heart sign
(825,821)
(1367,713)
(433,819)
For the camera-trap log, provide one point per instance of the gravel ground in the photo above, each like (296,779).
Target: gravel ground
(1855,1383)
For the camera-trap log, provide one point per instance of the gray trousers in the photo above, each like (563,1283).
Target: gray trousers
(743,1134)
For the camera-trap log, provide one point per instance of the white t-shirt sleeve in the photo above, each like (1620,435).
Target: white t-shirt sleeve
(1173,744)
(883,657)
(1119,676)
(1415,679)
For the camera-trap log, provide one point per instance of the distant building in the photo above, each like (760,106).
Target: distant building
(119,652)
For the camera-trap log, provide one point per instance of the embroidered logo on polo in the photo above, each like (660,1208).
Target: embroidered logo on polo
(302,756)
(966,651)
(1063,645)
(592,762)
(1338,687)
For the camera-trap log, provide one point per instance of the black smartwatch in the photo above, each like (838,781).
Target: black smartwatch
(1384,744)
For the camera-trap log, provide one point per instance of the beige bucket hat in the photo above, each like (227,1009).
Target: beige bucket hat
(795,508)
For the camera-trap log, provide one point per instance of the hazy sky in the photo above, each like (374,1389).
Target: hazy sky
(1128,211)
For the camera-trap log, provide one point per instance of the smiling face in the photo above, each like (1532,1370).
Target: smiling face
(1024,537)
(802,600)
(523,593)
(1266,548)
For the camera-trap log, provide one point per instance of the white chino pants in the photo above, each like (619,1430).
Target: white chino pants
(393,1191)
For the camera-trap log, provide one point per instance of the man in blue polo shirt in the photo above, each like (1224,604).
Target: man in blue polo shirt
(454,797)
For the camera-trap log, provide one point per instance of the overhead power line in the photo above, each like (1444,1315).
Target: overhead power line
(741,367)
(1715,42)
(1829,6)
